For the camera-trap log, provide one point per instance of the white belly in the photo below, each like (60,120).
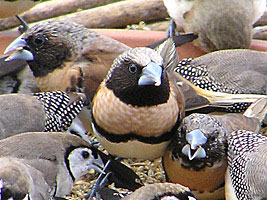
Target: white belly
(132,148)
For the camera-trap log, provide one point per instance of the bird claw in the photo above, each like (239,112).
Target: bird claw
(172,31)
(100,183)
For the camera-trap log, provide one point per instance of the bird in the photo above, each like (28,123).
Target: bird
(138,107)
(63,159)
(227,71)
(246,176)
(18,180)
(196,156)
(225,24)
(44,111)
(161,191)
(66,56)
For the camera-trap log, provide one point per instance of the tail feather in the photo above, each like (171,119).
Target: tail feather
(197,98)
(258,110)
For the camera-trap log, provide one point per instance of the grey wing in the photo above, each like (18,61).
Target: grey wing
(48,169)
(242,70)
(236,121)
(31,146)
(39,188)
(20,113)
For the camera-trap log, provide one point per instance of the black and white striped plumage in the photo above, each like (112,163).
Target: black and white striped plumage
(60,112)
(47,111)
(246,177)
(228,71)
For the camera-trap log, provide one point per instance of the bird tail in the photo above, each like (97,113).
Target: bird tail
(258,110)
(197,98)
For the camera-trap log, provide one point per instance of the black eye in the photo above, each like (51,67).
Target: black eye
(132,68)
(85,154)
(39,40)
(184,15)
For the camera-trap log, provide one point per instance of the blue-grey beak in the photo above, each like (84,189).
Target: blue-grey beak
(195,139)
(20,53)
(151,75)
(97,165)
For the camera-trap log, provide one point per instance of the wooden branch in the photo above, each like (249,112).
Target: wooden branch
(113,15)
(263,20)
(119,14)
(260,32)
(51,9)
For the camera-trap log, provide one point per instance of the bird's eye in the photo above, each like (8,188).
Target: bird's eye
(184,15)
(39,40)
(85,154)
(132,68)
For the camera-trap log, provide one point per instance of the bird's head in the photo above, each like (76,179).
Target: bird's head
(47,45)
(200,140)
(137,77)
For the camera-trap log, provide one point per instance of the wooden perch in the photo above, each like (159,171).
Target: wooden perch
(119,14)
(260,33)
(51,9)
(113,15)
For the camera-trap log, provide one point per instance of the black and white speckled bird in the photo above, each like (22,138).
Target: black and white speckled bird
(196,157)
(224,24)
(246,176)
(48,111)
(229,71)
(63,159)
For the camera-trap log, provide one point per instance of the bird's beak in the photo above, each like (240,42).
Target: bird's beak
(151,75)
(199,153)
(19,52)
(195,139)
(97,165)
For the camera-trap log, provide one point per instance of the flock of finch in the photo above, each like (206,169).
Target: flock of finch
(139,103)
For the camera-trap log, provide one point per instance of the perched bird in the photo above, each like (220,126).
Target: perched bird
(225,24)
(196,157)
(246,176)
(47,111)
(228,71)
(63,159)
(19,181)
(66,56)
(161,191)
(137,108)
